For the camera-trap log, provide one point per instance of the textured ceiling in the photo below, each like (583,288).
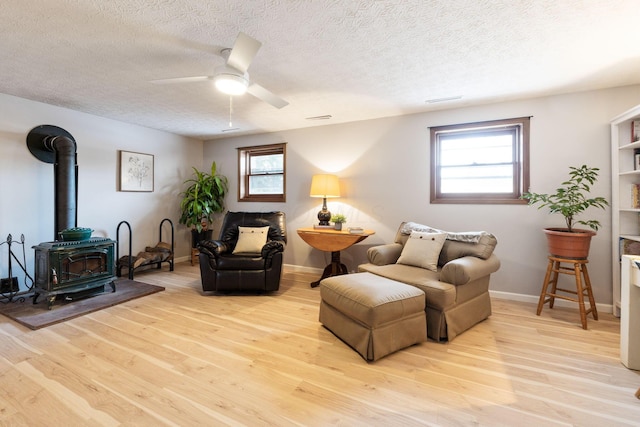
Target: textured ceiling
(351,59)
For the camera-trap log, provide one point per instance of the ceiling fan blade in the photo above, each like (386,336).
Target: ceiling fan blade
(182,80)
(266,96)
(244,50)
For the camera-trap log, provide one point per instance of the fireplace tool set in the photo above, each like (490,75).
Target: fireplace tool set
(9,287)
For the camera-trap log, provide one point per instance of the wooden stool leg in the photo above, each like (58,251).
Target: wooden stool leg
(587,285)
(554,283)
(580,293)
(545,286)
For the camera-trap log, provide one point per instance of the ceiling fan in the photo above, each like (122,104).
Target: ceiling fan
(232,77)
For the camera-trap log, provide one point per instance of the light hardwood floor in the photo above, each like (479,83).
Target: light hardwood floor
(181,358)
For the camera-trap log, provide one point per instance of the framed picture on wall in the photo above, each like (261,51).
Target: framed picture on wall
(136,171)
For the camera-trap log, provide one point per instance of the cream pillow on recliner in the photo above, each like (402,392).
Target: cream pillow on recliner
(251,239)
(422,250)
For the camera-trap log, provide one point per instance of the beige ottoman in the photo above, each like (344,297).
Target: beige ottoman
(374,315)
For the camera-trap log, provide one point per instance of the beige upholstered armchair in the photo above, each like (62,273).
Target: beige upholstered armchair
(455,279)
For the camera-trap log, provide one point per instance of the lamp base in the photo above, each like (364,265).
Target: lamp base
(324,215)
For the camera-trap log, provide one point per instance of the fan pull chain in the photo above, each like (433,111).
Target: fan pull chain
(230,111)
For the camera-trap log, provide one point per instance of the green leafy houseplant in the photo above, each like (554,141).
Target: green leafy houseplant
(338,218)
(571,198)
(203,197)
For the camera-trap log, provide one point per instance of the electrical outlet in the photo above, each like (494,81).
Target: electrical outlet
(9,285)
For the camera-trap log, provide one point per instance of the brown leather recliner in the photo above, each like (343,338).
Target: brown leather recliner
(225,271)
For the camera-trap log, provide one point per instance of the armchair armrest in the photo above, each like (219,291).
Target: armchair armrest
(213,247)
(384,254)
(463,270)
(272,247)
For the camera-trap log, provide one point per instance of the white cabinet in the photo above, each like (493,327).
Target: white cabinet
(625,221)
(630,312)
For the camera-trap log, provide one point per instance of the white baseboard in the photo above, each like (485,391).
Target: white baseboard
(301,269)
(182,259)
(604,308)
(289,267)
(533,299)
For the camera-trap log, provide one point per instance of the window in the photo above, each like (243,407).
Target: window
(485,162)
(261,173)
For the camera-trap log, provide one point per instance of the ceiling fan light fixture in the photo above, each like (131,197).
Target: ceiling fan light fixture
(231,78)
(231,84)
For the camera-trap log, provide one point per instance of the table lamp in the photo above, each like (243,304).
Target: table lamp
(324,186)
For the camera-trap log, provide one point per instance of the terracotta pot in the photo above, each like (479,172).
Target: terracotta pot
(574,245)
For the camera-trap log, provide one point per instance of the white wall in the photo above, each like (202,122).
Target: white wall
(26,189)
(383,165)
(384,170)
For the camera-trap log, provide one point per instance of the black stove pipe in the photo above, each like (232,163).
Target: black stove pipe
(66,179)
(52,144)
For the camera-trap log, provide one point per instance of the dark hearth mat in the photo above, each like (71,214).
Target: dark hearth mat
(36,316)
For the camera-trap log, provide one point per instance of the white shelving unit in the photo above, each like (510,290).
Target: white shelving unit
(630,313)
(625,221)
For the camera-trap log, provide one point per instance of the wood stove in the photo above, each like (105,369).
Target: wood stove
(73,268)
(80,268)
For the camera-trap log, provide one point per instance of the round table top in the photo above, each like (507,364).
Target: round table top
(331,240)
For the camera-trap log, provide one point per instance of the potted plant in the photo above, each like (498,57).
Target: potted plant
(337,220)
(569,200)
(203,197)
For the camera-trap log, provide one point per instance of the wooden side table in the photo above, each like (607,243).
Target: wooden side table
(194,256)
(333,241)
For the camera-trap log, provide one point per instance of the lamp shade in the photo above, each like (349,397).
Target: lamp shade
(325,185)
